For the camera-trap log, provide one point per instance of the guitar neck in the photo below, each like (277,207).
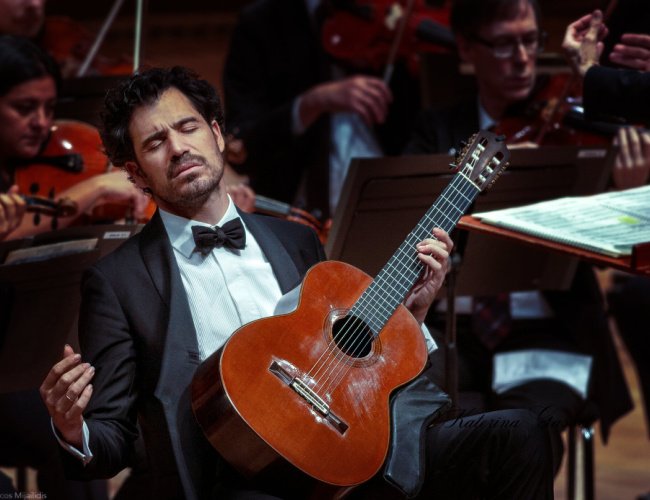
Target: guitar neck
(378,302)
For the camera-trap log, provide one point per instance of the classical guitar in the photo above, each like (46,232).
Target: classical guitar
(313,386)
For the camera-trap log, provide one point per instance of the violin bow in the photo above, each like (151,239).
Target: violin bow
(392,54)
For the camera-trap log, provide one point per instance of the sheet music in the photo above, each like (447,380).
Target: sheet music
(609,223)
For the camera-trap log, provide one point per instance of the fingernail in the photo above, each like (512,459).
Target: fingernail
(77,357)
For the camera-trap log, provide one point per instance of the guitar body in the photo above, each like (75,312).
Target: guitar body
(248,404)
(312,387)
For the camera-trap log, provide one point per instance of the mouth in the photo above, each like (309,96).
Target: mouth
(519,81)
(185,167)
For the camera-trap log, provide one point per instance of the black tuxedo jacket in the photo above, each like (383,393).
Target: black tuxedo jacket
(580,312)
(275,55)
(136,328)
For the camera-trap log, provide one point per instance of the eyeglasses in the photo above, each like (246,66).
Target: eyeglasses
(505,48)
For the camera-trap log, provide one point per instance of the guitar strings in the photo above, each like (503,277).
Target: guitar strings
(403,262)
(406,270)
(404,250)
(413,259)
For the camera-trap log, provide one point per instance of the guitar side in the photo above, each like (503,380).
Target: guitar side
(271,392)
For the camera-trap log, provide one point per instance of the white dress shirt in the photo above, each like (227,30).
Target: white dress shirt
(226,288)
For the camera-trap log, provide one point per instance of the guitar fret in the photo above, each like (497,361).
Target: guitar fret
(377,304)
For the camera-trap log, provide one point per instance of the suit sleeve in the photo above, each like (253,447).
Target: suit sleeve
(111,417)
(616,93)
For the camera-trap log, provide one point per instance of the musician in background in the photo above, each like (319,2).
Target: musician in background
(28,93)
(623,93)
(501,39)
(22,17)
(300,115)
(172,295)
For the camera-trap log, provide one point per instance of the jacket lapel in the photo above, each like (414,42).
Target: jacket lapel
(283,266)
(180,355)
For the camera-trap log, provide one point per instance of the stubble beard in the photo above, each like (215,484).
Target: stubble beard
(196,188)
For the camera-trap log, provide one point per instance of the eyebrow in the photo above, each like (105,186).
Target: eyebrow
(161,134)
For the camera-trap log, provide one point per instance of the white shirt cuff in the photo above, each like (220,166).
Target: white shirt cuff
(431,344)
(85,456)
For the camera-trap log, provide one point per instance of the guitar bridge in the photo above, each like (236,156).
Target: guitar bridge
(309,395)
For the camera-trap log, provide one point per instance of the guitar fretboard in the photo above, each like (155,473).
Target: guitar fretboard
(378,302)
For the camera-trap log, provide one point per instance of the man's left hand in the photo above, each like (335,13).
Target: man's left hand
(434,254)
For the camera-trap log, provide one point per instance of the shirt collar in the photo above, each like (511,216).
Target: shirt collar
(179,229)
(485,121)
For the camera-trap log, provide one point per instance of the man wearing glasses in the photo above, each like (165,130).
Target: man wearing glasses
(501,40)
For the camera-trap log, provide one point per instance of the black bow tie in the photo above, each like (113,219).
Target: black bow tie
(231,235)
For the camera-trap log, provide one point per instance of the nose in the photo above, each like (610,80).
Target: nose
(177,145)
(521,54)
(40,119)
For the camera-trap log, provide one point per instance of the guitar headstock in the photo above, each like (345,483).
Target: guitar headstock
(483,159)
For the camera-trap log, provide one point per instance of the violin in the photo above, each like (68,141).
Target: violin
(63,207)
(283,210)
(235,153)
(372,34)
(69,43)
(72,153)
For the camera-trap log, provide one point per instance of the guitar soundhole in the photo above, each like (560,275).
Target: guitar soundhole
(352,336)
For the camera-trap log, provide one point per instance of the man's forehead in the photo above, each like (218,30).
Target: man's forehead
(171,107)
(523,19)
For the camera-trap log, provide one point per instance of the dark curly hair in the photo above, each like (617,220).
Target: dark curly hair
(22,61)
(146,88)
(469,16)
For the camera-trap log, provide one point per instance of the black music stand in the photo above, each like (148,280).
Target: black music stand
(40,302)
(382,200)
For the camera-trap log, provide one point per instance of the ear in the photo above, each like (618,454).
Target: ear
(137,174)
(216,130)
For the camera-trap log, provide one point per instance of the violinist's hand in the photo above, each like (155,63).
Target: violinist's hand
(632,166)
(633,51)
(242,196)
(66,391)
(434,254)
(583,41)
(116,187)
(12,209)
(367,96)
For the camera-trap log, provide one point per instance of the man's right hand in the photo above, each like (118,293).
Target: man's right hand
(66,391)
(367,96)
